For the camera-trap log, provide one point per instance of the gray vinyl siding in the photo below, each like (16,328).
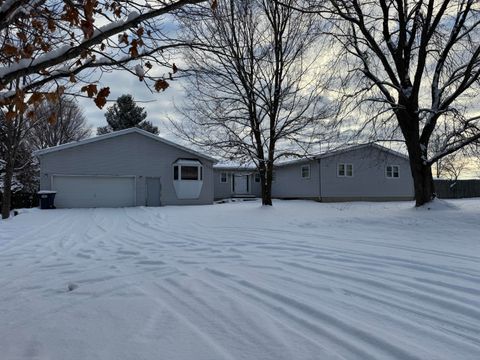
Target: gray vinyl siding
(222,190)
(369,181)
(127,154)
(290,184)
(255,187)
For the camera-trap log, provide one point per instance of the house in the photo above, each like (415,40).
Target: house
(368,172)
(130,167)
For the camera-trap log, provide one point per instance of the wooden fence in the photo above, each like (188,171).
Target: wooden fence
(456,189)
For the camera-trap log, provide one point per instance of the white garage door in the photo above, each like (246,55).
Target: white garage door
(93,191)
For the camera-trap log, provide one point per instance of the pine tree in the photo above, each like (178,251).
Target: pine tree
(124,114)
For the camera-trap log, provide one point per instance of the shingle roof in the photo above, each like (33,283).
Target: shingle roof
(119,133)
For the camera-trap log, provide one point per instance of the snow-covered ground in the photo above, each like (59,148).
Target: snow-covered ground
(302,280)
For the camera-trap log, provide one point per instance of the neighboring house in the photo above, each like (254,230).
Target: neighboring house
(367,172)
(129,167)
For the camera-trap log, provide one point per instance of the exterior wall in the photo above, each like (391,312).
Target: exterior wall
(128,154)
(290,184)
(224,190)
(369,181)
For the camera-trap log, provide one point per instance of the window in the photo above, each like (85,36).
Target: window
(175,173)
(257,177)
(185,169)
(305,172)
(349,169)
(190,173)
(274,175)
(223,177)
(392,171)
(345,170)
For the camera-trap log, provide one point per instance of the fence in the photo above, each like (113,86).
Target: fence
(22,200)
(456,189)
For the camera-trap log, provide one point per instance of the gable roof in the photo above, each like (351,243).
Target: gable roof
(119,133)
(341,151)
(361,146)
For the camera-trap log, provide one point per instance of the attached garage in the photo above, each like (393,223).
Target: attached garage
(75,191)
(125,168)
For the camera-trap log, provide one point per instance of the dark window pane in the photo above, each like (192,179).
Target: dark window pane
(175,173)
(189,173)
(223,177)
(349,170)
(306,171)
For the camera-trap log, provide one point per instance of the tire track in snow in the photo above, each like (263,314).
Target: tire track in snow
(331,328)
(445,305)
(244,326)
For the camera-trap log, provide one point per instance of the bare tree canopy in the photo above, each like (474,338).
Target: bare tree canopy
(58,123)
(254,94)
(414,62)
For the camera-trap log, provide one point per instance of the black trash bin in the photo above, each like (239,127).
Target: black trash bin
(47,199)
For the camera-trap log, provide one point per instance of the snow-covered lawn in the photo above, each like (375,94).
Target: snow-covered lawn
(302,280)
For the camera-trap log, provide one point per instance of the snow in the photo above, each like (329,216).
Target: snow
(139,71)
(301,280)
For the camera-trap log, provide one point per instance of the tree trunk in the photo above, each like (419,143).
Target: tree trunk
(422,176)
(423,182)
(7,190)
(266,179)
(417,148)
(267,193)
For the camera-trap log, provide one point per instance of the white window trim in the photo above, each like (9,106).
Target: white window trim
(345,170)
(392,177)
(199,171)
(221,177)
(301,171)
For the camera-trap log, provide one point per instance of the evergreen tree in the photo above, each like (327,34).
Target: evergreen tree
(124,114)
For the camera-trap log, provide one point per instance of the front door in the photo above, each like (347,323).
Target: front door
(153,191)
(240,184)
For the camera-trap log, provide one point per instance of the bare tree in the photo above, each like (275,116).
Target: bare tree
(414,62)
(58,123)
(14,155)
(254,94)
